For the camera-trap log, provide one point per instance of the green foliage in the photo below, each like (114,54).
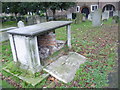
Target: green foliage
(6,85)
(116,18)
(9,24)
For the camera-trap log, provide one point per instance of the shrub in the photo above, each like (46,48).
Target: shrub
(116,18)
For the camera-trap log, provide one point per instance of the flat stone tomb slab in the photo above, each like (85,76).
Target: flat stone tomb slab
(36,29)
(65,67)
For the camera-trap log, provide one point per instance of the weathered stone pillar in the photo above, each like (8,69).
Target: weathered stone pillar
(25,52)
(69,36)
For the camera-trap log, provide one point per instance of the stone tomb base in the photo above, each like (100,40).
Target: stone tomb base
(64,69)
(21,74)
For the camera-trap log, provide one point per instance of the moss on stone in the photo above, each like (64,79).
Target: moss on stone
(15,69)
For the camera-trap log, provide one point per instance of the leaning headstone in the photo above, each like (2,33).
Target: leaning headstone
(96,19)
(79,18)
(105,15)
(20,24)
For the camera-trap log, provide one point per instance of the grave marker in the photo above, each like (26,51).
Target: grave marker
(69,16)
(30,21)
(79,18)
(105,15)
(20,24)
(96,19)
(115,13)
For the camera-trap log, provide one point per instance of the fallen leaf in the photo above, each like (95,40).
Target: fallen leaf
(93,85)
(2,60)
(51,78)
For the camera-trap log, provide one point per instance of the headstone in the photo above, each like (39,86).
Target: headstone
(64,69)
(84,19)
(79,18)
(37,19)
(105,15)
(115,13)
(30,21)
(20,24)
(69,16)
(42,19)
(90,16)
(96,19)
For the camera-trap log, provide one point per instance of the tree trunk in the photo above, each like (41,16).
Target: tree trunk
(53,14)
(46,15)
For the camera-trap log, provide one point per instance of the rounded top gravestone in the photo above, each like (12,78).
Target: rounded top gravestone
(20,24)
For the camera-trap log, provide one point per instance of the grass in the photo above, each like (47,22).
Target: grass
(9,24)
(97,44)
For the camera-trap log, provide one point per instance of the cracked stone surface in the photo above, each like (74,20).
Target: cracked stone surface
(64,69)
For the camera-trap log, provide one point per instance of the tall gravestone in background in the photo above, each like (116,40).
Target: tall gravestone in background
(79,18)
(96,19)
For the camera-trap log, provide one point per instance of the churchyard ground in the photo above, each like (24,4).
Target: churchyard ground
(97,44)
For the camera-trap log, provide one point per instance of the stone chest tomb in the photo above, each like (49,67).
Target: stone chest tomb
(32,44)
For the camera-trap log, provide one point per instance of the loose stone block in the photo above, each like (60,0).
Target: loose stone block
(64,69)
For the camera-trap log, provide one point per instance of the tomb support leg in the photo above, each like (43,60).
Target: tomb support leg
(11,38)
(69,36)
